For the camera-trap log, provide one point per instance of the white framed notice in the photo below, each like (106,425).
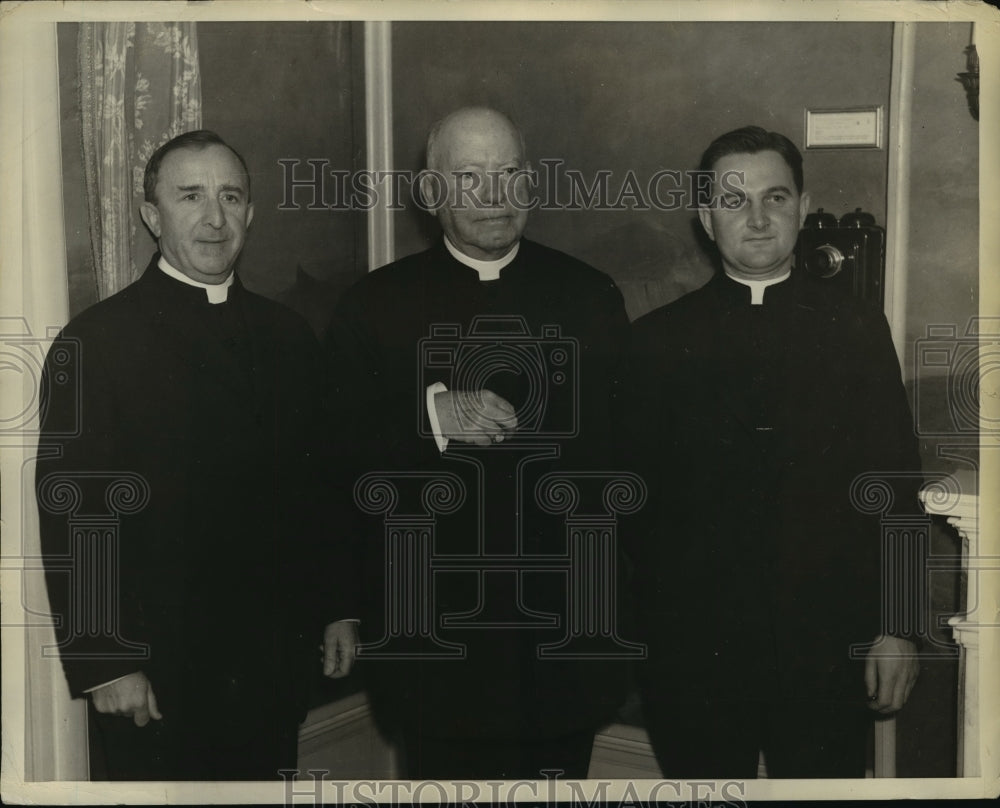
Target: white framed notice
(851,128)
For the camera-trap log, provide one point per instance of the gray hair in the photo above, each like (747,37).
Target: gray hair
(432,156)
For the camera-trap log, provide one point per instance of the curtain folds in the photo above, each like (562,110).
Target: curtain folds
(140,86)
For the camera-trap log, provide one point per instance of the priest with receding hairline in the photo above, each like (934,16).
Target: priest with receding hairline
(502,708)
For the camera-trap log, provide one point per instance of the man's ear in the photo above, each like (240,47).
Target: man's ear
(249,214)
(705,216)
(432,190)
(151,216)
(803,208)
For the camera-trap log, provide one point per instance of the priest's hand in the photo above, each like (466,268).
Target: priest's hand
(131,696)
(474,416)
(340,647)
(891,670)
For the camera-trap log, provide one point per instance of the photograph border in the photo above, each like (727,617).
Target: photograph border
(16,18)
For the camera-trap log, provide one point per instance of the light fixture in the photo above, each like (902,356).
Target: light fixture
(970,78)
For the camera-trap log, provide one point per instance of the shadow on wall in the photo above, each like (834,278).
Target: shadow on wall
(315,299)
(667,267)
(945,419)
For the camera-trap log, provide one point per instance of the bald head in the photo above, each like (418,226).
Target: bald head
(476,181)
(466,123)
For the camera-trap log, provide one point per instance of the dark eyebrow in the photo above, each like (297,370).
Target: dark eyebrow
(230,188)
(781,188)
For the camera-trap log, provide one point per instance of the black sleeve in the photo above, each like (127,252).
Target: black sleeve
(895,458)
(641,418)
(889,409)
(323,519)
(78,460)
(381,410)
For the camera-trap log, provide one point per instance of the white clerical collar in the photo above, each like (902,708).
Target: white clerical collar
(217,292)
(757,287)
(488,270)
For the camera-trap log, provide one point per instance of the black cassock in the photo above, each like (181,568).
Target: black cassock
(195,430)
(755,571)
(547,336)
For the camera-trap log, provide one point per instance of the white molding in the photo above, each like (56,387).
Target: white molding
(622,751)
(378,138)
(337,716)
(884,764)
(340,739)
(962,511)
(898,183)
(44,731)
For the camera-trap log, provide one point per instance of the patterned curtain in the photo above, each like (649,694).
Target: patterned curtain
(140,86)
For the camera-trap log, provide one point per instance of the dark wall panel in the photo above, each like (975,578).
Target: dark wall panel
(287,92)
(641,97)
(944,235)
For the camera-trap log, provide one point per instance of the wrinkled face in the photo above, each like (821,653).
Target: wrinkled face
(202,211)
(478,186)
(755,230)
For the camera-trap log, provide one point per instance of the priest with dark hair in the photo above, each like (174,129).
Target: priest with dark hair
(753,406)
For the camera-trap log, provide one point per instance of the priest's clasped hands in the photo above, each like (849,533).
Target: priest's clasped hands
(474,416)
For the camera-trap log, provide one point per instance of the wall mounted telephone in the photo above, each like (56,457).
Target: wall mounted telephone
(849,253)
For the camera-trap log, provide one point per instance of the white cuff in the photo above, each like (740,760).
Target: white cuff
(432,416)
(98,687)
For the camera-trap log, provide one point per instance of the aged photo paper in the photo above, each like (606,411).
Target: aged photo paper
(875,94)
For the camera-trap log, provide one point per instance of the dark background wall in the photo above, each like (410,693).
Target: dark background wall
(641,97)
(291,91)
(622,97)
(944,255)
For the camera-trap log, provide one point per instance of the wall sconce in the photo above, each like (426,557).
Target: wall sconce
(970,78)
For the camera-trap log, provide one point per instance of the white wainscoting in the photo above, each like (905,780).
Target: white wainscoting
(341,742)
(961,507)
